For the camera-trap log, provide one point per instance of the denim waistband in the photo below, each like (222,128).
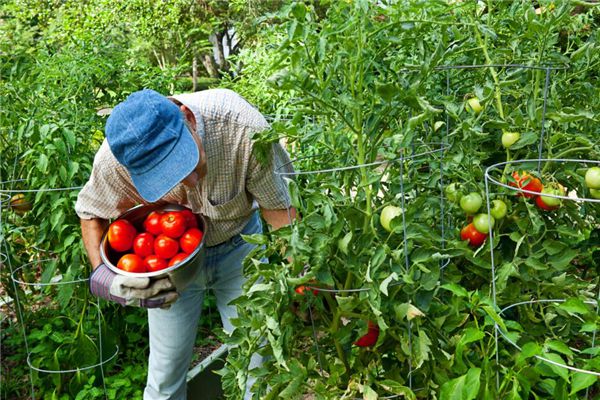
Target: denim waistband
(253,225)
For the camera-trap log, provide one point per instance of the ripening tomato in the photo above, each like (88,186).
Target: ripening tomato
(177,259)
(472,235)
(121,234)
(302,290)
(165,247)
(143,244)
(152,222)
(190,219)
(173,224)
(131,263)
(190,240)
(370,338)
(155,263)
(525,181)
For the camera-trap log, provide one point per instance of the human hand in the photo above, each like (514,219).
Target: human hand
(132,291)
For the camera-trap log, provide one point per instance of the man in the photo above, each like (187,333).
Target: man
(195,150)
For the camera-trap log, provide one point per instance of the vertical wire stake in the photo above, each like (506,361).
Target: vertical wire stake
(315,338)
(406,262)
(491,241)
(587,390)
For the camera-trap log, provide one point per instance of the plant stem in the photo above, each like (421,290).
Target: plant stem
(488,60)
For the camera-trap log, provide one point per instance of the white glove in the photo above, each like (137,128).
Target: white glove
(132,291)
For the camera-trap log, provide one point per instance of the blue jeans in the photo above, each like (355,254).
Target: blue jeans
(173,331)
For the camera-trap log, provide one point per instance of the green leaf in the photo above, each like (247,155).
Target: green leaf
(580,381)
(456,289)
(42,163)
(560,371)
(494,315)
(464,387)
(559,347)
(394,387)
(574,306)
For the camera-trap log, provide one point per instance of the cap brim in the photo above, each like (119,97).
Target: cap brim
(155,183)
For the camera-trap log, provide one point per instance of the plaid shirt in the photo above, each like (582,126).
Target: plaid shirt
(235,184)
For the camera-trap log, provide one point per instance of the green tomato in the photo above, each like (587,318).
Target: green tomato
(498,210)
(595,193)
(510,138)
(471,203)
(551,201)
(387,215)
(482,222)
(452,192)
(592,178)
(474,105)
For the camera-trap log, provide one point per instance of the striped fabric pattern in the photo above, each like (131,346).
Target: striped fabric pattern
(100,282)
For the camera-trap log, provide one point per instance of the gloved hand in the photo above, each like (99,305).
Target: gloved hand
(132,291)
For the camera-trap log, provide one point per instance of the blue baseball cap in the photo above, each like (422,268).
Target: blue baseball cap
(147,134)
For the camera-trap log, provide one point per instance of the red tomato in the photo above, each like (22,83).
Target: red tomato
(472,235)
(524,180)
(301,290)
(121,234)
(155,263)
(190,219)
(539,201)
(190,240)
(165,247)
(143,244)
(370,338)
(173,224)
(152,222)
(177,259)
(131,263)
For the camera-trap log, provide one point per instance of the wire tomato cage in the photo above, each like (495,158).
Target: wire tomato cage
(27,279)
(573,193)
(393,173)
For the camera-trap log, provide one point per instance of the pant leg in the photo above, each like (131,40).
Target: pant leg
(172,337)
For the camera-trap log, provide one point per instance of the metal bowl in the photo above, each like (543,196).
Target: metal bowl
(180,274)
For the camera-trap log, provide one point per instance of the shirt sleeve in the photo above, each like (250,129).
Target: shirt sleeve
(109,192)
(266,180)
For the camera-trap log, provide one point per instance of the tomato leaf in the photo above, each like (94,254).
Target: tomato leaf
(580,381)
(465,387)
